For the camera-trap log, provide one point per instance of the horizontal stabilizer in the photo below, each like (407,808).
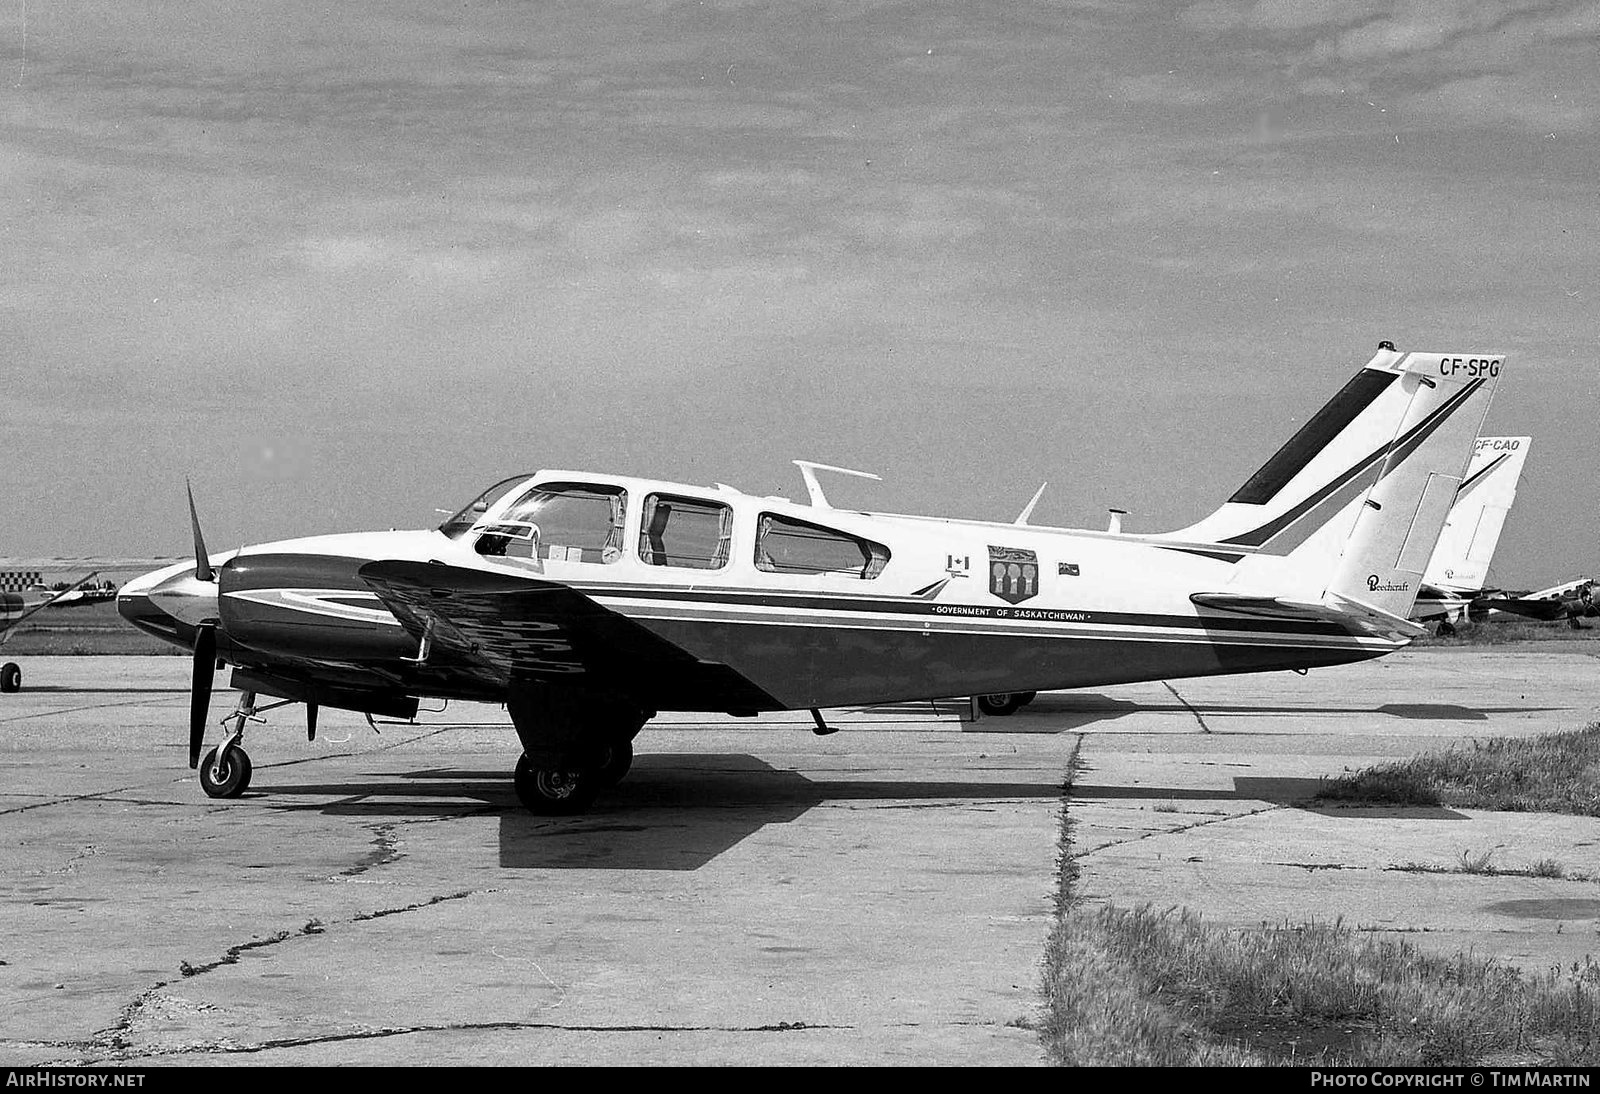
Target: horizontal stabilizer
(1342,610)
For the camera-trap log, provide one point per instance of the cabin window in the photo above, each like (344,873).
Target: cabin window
(563,522)
(685,532)
(788,546)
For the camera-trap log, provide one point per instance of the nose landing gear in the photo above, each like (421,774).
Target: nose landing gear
(225,771)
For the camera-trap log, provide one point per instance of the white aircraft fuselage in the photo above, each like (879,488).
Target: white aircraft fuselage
(589,602)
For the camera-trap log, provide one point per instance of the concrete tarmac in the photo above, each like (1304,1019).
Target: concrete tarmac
(750,894)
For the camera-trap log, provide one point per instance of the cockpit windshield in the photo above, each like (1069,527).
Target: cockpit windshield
(474,510)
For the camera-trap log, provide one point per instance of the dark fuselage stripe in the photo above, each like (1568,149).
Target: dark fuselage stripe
(958,612)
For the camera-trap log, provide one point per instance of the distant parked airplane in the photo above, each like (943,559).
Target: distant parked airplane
(1459,569)
(18,606)
(23,592)
(1571,600)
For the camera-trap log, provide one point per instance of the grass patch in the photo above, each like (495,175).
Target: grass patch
(1499,632)
(1323,994)
(1551,773)
(1149,988)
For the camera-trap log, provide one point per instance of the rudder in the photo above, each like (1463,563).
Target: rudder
(1398,522)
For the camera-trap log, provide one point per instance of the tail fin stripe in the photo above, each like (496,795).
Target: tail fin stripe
(1401,448)
(1424,429)
(1482,471)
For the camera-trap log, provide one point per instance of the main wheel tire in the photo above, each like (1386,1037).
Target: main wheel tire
(615,762)
(554,792)
(1446,630)
(229,780)
(10,676)
(1026,697)
(999,703)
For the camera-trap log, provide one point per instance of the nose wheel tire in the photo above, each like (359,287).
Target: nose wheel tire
(10,676)
(555,791)
(228,779)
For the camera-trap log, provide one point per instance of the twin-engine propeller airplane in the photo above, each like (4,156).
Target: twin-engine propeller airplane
(1572,600)
(586,603)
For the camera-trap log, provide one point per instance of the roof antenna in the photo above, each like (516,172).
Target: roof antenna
(1115,525)
(1027,510)
(808,471)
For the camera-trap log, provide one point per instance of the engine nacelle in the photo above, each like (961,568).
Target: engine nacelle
(307,605)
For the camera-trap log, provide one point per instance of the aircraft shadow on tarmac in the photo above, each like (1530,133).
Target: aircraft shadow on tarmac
(1296,792)
(1069,713)
(672,812)
(121,689)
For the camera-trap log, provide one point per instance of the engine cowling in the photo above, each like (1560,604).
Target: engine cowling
(308,605)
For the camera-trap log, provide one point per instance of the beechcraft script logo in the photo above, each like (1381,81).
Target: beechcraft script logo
(1013,574)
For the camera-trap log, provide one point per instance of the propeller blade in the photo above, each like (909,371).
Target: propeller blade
(311,721)
(205,653)
(202,558)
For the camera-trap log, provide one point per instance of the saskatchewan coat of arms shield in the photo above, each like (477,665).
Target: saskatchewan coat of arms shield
(1013,573)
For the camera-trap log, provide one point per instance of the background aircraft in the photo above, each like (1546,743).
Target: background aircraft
(24,591)
(1459,570)
(1574,600)
(17,605)
(588,602)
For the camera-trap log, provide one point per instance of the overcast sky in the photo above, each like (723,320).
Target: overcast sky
(342,264)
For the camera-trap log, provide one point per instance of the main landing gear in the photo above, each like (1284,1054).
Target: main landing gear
(10,676)
(575,745)
(1004,702)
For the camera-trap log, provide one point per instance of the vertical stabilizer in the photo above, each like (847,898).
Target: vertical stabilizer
(1398,522)
(1461,561)
(1306,489)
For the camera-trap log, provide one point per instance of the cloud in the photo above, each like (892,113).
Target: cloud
(1534,102)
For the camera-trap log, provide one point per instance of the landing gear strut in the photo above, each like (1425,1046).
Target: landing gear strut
(575,745)
(225,771)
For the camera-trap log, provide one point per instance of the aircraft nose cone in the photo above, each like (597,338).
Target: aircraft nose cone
(183,596)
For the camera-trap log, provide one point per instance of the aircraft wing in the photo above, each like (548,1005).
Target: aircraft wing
(1344,611)
(1533,609)
(10,625)
(533,628)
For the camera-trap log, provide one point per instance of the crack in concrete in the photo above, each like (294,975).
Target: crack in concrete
(1187,706)
(385,849)
(1180,829)
(231,955)
(117,1038)
(365,916)
(124,1051)
(54,712)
